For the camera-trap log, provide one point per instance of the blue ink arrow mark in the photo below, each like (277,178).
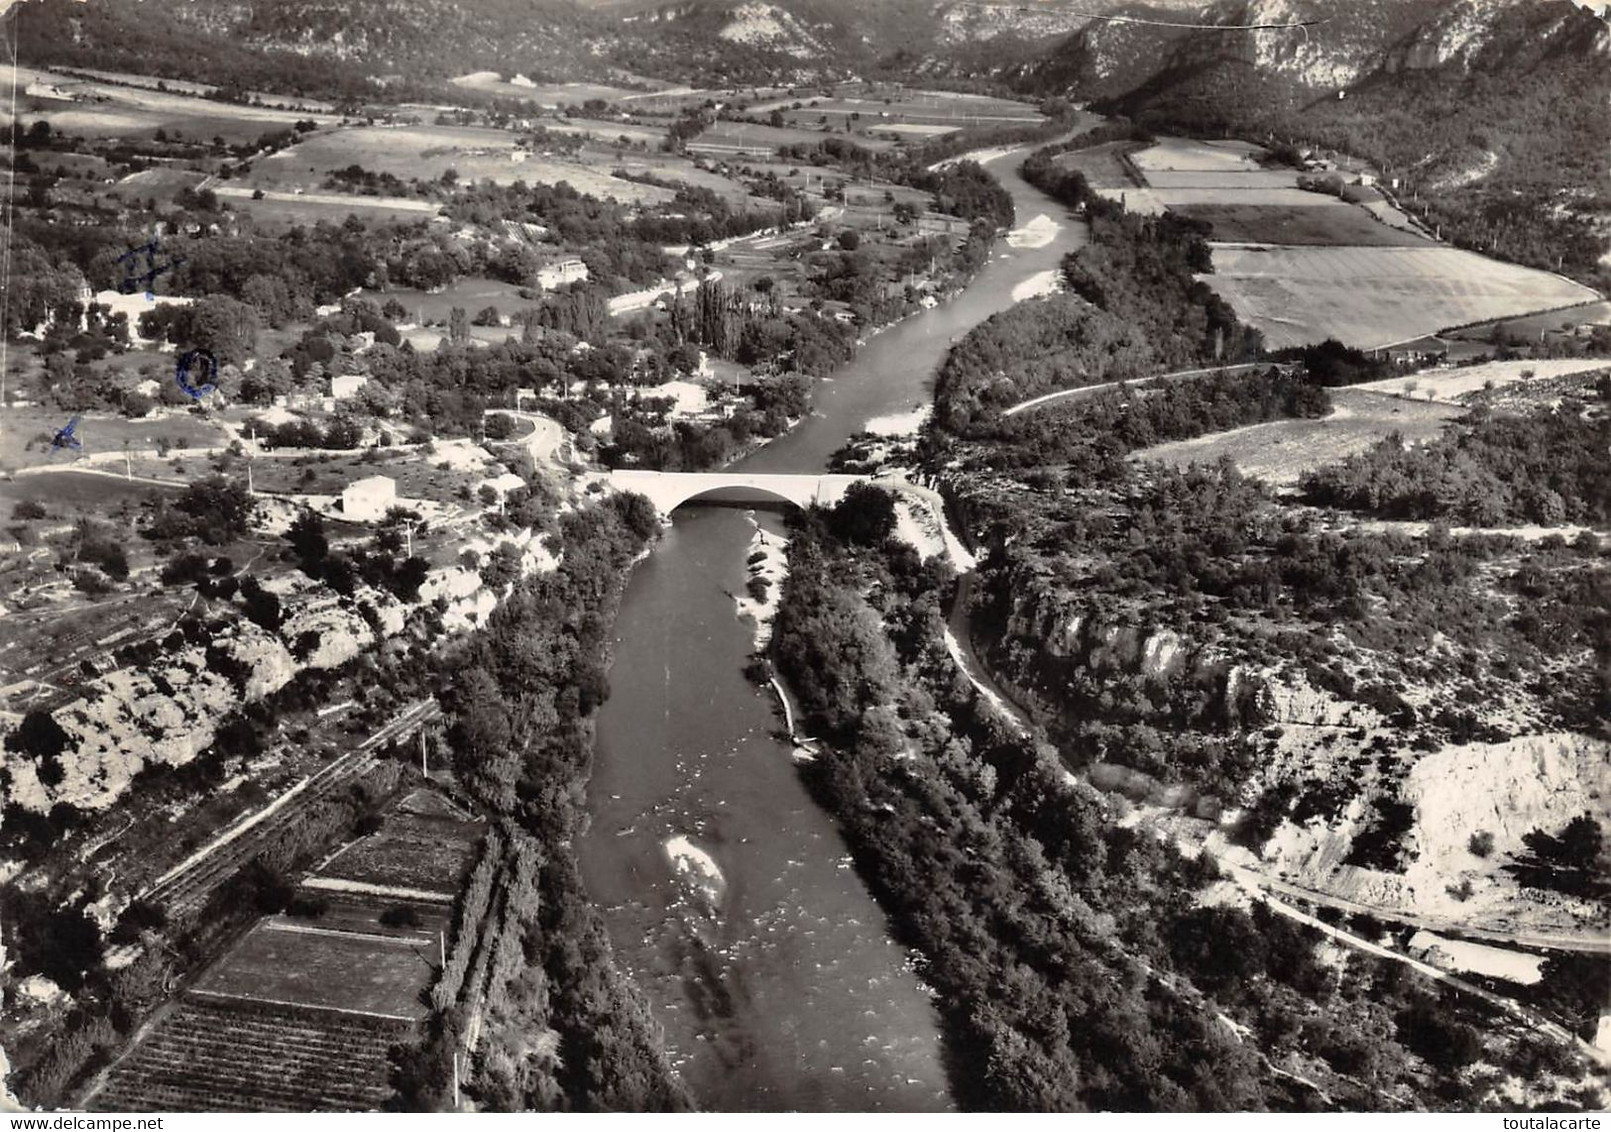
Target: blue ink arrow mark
(64,438)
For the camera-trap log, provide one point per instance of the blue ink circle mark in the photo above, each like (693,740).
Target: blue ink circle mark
(184,373)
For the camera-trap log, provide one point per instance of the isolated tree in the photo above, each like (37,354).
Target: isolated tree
(224,327)
(866,515)
(39,735)
(309,542)
(458,326)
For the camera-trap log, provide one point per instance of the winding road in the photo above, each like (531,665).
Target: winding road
(1046,399)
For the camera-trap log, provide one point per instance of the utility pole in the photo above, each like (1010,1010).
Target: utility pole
(424,768)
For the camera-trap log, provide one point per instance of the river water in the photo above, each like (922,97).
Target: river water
(729,895)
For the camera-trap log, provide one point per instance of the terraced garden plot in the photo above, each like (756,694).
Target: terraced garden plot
(1313,222)
(426,856)
(1101,165)
(318,969)
(1371,297)
(361,914)
(211,1055)
(1280,452)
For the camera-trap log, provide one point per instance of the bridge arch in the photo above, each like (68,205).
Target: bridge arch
(670,490)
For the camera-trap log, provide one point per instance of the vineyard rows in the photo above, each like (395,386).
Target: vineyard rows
(216,1056)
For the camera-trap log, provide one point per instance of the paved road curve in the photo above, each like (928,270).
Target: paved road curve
(1063,394)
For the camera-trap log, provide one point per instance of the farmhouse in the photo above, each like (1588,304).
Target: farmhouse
(369,499)
(561,272)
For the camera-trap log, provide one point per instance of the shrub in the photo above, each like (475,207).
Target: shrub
(401,916)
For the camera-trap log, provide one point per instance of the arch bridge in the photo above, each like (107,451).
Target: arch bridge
(670,490)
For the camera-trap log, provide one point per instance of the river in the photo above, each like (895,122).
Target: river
(729,896)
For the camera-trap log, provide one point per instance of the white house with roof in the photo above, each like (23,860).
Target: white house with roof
(561,272)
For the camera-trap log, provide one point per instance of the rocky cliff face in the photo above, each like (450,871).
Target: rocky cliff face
(1056,646)
(1357,40)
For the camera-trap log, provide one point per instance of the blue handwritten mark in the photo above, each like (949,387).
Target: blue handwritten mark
(64,438)
(132,280)
(182,377)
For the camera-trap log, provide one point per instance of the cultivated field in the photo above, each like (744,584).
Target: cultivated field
(418,475)
(1452,384)
(297,964)
(1194,155)
(414,851)
(1531,326)
(1371,297)
(426,152)
(747,137)
(1280,452)
(1312,223)
(635,132)
(279,207)
(1207,179)
(160,184)
(35,426)
(544,94)
(362,914)
(933,108)
(89,108)
(276,101)
(215,1055)
(1101,166)
(684,171)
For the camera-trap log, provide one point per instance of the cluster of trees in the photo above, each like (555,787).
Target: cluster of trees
(341,433)
(1548,467)
(218,324)
(615,241)
(1135,309)
(1090,437)
(380,564)
(1075,968)
(1568,862)
(755,332)
(216,510)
